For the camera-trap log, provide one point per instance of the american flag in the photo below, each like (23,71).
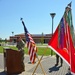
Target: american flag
(32,49)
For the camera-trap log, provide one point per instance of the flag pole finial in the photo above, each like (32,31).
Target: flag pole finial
(69,5)
(21,19)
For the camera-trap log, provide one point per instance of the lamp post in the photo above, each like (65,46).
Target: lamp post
(52,15)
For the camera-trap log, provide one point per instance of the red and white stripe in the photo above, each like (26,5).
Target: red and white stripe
(31,49)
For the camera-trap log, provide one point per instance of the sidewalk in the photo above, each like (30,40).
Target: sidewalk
(47,62)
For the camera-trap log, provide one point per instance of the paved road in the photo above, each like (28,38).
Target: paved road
(47,62)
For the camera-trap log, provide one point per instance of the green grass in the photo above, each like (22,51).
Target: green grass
(43,50)
(1,49)
(40,51)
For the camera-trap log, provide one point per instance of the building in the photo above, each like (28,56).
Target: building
(36,37)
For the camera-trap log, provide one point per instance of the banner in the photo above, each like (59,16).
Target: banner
(62,39)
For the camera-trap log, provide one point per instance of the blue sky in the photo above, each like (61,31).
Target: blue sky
(35,13)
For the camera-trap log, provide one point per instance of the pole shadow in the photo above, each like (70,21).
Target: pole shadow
(54,68)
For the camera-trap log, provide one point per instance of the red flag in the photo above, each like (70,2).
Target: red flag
(72,66)
(62,40)
(53,44)
(73,61)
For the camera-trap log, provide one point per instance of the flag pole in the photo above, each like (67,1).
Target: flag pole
(37,65)
(40,60)
(22,23)
(40,66)
(35,52)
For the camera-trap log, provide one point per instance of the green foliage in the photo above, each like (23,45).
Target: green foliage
(42,39)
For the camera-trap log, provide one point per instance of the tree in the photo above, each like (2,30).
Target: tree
(0,39)
(5,40)
(42,38)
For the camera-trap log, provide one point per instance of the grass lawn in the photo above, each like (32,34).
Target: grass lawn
(40,51)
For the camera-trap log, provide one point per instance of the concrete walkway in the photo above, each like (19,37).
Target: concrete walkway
(47,62)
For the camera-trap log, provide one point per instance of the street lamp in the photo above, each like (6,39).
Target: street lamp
(52,15)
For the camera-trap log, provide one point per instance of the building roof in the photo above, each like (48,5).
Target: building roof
(33,35)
